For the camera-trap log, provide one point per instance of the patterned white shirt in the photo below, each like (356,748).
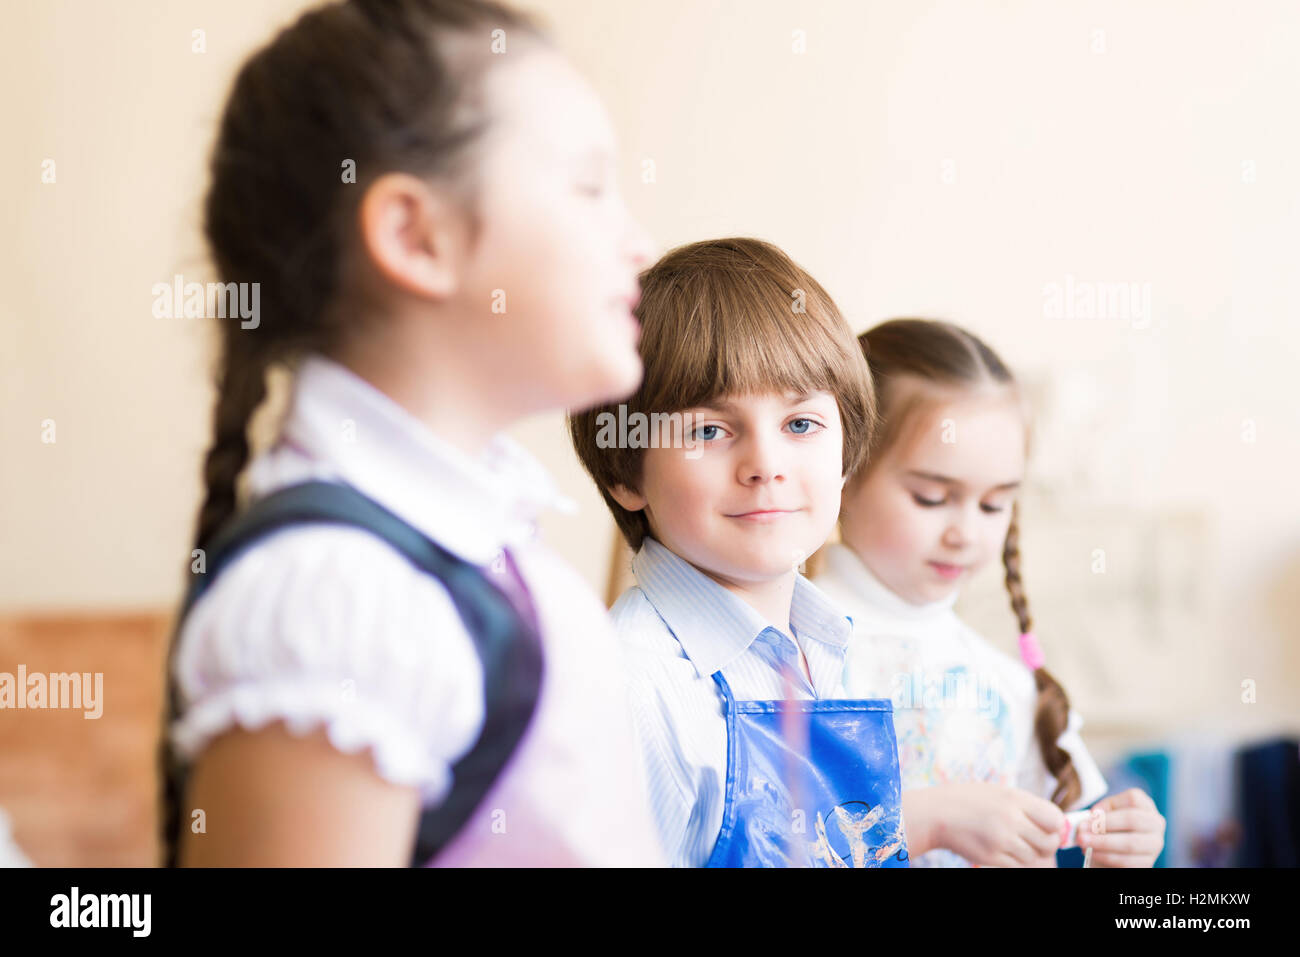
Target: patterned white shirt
(963,710)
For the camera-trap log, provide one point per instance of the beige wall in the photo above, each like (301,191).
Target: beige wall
(946,159)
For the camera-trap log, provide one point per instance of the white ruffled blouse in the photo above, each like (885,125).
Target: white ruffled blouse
(329,627)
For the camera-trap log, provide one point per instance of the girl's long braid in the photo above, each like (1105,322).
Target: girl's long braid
(1053,712)
(389,85)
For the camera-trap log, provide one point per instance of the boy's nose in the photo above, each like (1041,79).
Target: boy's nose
(759,477)
(759,464)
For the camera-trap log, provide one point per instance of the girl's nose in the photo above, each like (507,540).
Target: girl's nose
(638,244)
(957,534)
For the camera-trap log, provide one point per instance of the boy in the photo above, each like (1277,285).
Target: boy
(735,659)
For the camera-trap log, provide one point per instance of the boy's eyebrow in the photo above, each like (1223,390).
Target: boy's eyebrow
(945,480)
(727,405)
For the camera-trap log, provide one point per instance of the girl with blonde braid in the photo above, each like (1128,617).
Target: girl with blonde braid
(989,748)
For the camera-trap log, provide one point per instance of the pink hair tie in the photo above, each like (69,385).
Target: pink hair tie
(1030,651)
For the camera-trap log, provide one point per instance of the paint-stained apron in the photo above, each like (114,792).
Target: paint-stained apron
(810,783)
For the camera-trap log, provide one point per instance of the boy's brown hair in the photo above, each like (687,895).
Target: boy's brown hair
(729,317)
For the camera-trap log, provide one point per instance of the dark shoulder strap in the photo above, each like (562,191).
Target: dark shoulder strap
(508,644)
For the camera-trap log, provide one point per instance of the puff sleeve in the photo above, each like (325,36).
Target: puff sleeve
(328,627)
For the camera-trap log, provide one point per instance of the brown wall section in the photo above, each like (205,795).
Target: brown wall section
(83,792)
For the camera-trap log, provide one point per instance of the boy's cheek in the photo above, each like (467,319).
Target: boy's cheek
(828,497)
(678,502)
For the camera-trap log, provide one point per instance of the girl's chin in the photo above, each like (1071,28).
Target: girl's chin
(931,592)
(613,384)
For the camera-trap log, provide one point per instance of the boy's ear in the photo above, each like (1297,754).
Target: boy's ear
(413,234)
(630,499)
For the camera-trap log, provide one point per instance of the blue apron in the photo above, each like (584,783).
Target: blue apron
(835,800)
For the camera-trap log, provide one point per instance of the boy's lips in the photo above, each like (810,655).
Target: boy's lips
(764,515)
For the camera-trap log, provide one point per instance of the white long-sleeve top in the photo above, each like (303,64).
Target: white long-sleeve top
(963,710)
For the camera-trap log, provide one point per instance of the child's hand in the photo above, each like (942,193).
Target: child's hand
(1134,831)
(996,826)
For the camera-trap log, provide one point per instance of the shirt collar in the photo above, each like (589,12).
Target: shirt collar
(713,625)
(472,506)
(845,566)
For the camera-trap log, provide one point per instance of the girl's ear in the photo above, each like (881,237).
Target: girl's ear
(414,235)
(630,499)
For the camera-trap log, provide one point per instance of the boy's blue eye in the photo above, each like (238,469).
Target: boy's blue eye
(807,426)
(699,433)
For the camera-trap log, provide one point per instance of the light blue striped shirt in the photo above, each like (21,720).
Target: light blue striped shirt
(677,627)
